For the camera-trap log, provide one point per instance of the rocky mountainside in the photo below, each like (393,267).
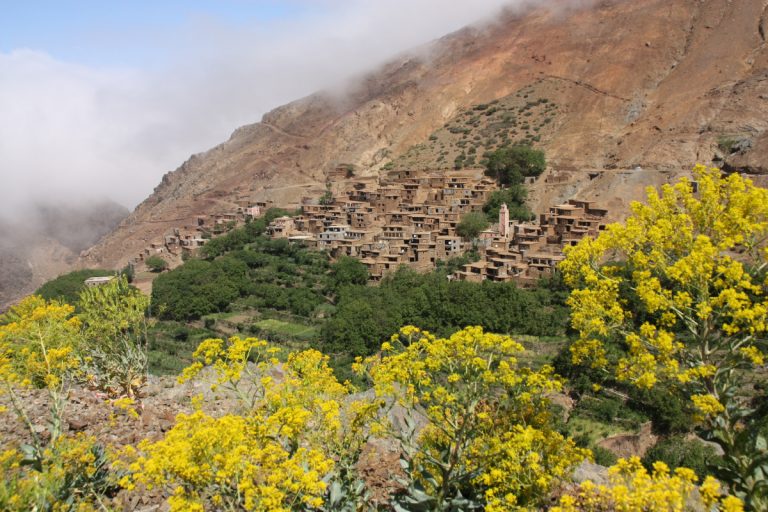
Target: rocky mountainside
(636,93)
(45,241)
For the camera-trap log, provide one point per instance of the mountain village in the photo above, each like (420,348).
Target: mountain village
(408,217)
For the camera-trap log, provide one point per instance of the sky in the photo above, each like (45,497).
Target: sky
(99,99)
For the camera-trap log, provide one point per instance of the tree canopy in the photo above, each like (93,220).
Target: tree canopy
(348,271)
(156,263)
(511,165)
(514,197)
(471,225)
(67,287)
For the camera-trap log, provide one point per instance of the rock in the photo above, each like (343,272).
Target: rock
(564,401)
(77,425)
(590,471)
(627,445)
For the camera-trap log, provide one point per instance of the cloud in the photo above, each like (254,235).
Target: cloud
(74,133)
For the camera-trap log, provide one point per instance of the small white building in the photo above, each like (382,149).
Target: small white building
(98,281)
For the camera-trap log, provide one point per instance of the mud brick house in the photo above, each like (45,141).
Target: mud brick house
(525,252)
(409,218)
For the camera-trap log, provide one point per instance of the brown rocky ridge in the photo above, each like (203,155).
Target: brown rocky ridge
(641,91)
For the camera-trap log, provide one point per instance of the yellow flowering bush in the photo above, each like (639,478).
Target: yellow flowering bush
(682,286)
(293,446)
(235,462)
(41,346)
(487,440)
(38,347)
(632,488)
(38,340)
(72,475)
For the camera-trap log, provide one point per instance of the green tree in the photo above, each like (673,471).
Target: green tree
(511,165)
(514,197)
(348,271)
(682,288)
(327,197)
(129,272)
(156,263)
(678,451)
(199,288)
(471,225)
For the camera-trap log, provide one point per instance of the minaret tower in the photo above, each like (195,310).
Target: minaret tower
(504,221)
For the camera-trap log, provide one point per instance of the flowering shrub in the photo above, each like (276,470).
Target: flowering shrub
(41,346)
(293,447)
(115,351)
(633,488)
(38,348)
(682,285)
(234,462)
(38,341)
(71,475)
(487,443)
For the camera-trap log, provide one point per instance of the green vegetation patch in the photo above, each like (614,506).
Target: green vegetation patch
(67,287)
(294,330)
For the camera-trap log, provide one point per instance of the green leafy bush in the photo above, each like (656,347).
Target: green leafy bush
(514,198)
(198,288)
(156,263)
(471,225)
(348,271)
(67,287)
(365,316)
(680,451)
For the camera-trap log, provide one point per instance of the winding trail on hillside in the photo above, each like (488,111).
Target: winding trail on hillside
(588,86)
(280,131)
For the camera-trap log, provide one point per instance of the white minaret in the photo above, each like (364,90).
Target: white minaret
(504,221)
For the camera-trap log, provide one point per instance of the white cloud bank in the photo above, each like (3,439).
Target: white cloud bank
(74,133)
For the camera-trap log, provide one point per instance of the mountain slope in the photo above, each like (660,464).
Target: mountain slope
(45,242)
(644,90)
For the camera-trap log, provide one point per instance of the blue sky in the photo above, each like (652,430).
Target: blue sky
(119,33)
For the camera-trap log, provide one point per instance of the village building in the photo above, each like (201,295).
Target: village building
(525,252)
(98,281)
(408,217)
